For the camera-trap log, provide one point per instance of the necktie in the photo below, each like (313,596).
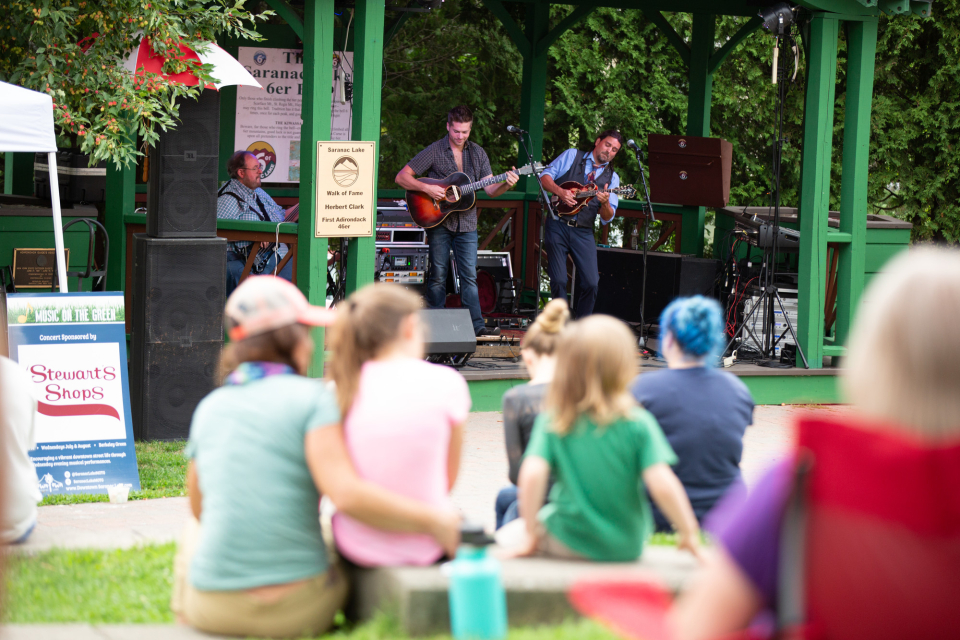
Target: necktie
(591,176)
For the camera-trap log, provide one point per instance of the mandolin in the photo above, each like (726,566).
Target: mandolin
(460,195)
(585,193)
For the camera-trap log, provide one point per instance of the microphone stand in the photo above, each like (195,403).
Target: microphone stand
(648,216)
(547,208)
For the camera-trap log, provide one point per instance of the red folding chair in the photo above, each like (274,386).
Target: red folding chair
(870,546)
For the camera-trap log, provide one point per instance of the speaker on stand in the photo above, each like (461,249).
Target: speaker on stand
(182,189)
(179,277)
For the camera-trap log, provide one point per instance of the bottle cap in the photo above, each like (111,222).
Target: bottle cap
(474,535)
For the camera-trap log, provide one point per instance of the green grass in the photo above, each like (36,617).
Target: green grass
(132,586)
(91,586)
(386,627)
(163,469)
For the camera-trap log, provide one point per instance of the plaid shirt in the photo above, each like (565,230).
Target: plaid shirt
(437,161)
(230,208)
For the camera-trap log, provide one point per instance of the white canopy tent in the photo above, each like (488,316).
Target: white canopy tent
(26,125)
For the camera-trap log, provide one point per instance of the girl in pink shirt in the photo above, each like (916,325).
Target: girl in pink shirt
(403,418)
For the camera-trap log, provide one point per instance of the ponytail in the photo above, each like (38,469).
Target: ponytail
(368,322)
(543,334)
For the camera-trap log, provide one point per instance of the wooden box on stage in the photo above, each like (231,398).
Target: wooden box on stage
(690,170)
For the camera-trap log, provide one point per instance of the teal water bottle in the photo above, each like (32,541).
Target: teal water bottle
(478,604)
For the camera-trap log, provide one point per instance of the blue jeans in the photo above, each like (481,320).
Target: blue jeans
(236,263)
(464,246)
(507,506)
(579,243)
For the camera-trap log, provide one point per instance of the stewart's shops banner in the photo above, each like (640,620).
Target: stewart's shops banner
(73,348)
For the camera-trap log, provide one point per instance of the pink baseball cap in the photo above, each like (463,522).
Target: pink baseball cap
(265,303)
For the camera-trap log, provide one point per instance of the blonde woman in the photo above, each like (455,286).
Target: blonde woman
(403,418)
(902,374)
(602,450)
(522,404)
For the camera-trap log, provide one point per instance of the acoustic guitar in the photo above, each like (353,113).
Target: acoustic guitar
(460,195)
(586,193)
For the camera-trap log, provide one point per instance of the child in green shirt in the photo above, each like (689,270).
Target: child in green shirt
(602,449)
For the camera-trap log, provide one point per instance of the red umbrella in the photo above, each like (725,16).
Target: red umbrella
(143,60)
(226,69)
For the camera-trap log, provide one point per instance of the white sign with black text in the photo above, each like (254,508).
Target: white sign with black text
(268,120)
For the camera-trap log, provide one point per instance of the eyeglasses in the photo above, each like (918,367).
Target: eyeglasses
(257,169)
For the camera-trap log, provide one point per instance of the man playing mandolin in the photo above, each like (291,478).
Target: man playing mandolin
(451,154)
(573,234)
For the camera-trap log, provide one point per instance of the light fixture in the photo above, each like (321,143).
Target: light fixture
(777,18)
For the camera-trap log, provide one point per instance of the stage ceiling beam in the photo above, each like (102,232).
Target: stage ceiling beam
(369,43)
(677,42)
(394,27)
(723,52)
(315,113)
(575,16)
(291,17)
(513,29)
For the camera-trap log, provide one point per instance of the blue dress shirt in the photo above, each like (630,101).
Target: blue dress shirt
(562,163)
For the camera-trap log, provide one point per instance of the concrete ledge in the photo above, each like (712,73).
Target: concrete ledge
(101,632)
(536,588)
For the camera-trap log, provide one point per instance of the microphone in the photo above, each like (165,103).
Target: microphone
(514,130)
(633,145)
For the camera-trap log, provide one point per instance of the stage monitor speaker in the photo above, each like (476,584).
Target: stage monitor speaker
(689,170)
(448,332)
(183,171)
(671,275)
(176,331)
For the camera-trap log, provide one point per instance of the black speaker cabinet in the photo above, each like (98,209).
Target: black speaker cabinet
(671,275)
(182,189)
(176,331)
(448,331)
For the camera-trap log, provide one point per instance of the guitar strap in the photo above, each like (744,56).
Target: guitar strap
(262,214)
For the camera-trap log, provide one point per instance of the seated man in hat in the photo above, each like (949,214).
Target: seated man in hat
(242,199)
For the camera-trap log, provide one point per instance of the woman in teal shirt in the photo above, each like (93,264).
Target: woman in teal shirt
(262,450)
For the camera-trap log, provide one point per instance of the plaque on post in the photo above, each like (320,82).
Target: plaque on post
(33,268)
(346,189)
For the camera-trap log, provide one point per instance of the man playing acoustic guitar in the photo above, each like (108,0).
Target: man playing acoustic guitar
(574,234)
(450,154)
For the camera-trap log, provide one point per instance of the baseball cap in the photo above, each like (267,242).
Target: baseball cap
(265,303)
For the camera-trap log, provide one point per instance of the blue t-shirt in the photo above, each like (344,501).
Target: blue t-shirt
(703,412)
(260,522)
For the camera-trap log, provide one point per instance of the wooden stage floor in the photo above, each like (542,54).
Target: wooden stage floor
(490,378)
(506,369)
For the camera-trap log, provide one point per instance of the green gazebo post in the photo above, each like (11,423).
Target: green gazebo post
(315,113)
(368,79)
(815,177)
(121,187)
(318,46)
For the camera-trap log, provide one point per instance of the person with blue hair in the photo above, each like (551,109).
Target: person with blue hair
(702,411)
